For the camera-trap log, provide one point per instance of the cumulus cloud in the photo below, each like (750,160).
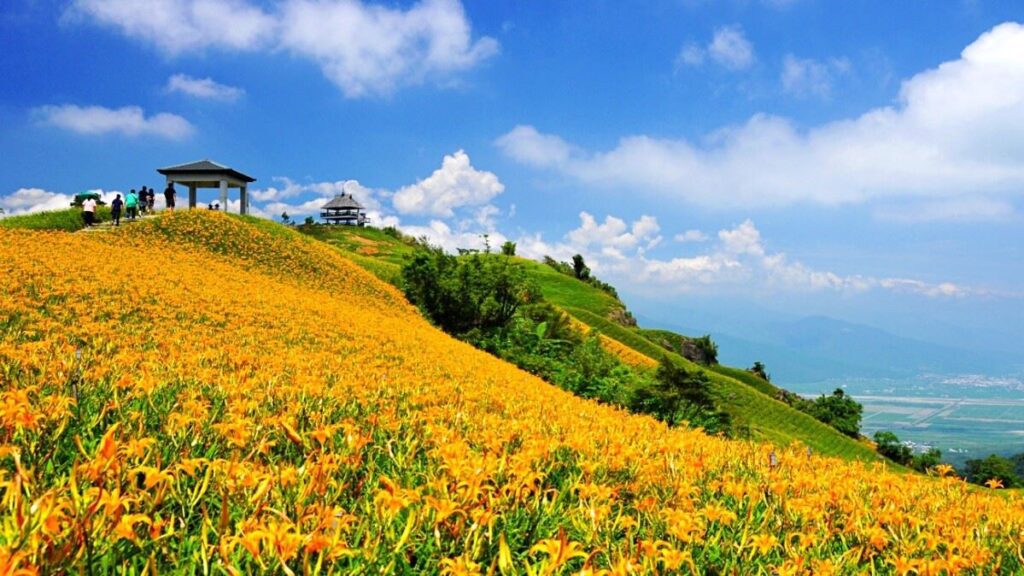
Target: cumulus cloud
(728,48)
(205,88)
(29,200)
(373,49)
(180,26)
(691,236)
(439,233)
(456,184)
(803,77)
(739,260)
(957,131)
(129,120)
(365,49)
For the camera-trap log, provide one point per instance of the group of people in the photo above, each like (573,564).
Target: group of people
(133,204)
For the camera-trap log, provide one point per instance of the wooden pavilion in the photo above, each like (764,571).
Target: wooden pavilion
(344,209)
(210,174)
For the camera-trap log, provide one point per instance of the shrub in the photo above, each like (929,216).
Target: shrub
(838,411)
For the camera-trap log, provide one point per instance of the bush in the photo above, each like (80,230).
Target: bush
(460,294)
(838,411)
(760,371)
(889,445)
(993,467)
(679,395)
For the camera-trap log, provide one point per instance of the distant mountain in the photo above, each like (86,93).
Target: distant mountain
(817,348)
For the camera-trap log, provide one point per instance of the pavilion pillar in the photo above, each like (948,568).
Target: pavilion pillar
(243,196)
(224,195)
(191,196)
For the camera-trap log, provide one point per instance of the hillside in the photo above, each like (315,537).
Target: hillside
(750,401)
(267,406)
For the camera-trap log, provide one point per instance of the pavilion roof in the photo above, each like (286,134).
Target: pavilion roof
(205,166)
(342,201)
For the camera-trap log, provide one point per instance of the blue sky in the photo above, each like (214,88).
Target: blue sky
(864,161)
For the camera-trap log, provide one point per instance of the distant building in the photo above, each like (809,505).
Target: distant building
(344,209)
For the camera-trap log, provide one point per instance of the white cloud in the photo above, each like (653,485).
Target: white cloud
(129,120)
(730,48)
(205,88)
(29,200)
(691,236)
(441,234)
(953,210)
(804,77)
(691,54)
(180,26)
(738,261)
(957,131)
(365,49)
(374,49)
(527,145)
(456,184)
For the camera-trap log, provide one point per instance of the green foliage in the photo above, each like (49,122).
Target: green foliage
(460,294)
(993,467)
(707,350)
(285,218)
(508,248)
(679,395)
(69,220)
(838,411)
(760,371)
(580,268)
(888,445)
(309,221)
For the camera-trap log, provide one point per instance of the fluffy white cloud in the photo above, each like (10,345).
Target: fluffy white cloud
(691,236)
(957,131)
(804,77)
(527,145)
(205,88)
(441,234)
(738,261)
(728,47)
(456,184)
(179,26)
(28,200)
(129,120)
(365,49)
(374,49)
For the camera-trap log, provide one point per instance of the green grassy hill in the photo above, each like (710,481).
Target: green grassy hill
(749,400)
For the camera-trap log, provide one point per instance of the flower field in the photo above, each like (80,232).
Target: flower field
(199,394)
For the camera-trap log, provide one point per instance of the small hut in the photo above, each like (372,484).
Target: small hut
(344,209)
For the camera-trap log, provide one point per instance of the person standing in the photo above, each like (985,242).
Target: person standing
(89,211)
(169,196)
(151,200)
(131,202)
(115,210)
(142,200)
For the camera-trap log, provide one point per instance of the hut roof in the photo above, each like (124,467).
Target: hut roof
(205,167)
(342,201)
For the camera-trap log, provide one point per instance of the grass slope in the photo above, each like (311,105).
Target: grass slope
(748,399)
(68,220)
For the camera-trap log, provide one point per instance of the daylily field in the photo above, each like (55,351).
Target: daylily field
(200,394)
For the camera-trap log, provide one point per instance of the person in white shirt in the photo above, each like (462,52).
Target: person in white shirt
(89,211)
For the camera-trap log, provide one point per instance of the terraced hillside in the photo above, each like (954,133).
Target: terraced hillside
(271,407)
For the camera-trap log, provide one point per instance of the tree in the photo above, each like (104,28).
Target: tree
(760,371)
(474,291)
(838,411)
(580,268)
(309,221)
(708,349)
(285,218)
(889,445)
(675,389)
(508,248)
(993,467)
